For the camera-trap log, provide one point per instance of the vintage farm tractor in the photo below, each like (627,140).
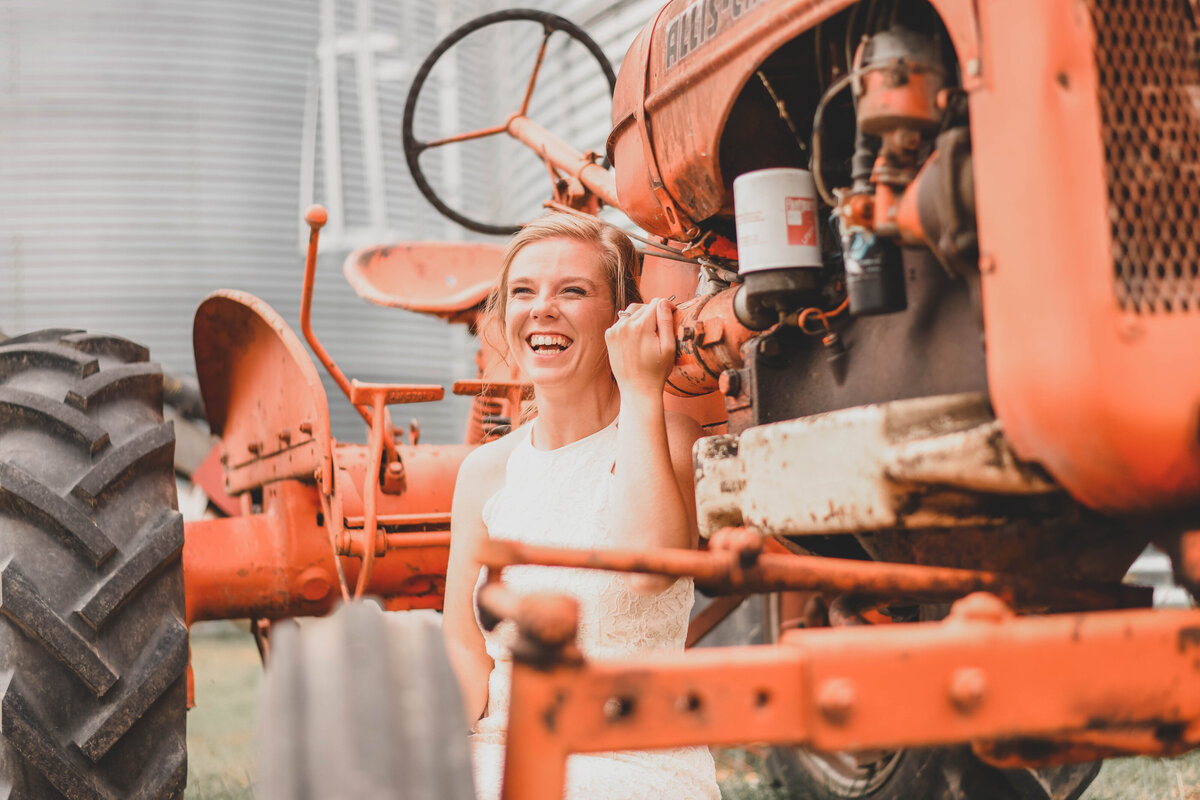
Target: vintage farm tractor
(942,431)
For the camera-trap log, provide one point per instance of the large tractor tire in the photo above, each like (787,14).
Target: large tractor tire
(362,704)
(943,773)
(93,645)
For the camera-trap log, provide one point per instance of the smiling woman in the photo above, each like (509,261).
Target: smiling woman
(603,465)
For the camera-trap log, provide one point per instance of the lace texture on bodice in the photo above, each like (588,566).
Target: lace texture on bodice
(563,498)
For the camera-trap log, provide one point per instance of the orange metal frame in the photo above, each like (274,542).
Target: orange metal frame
(1094,394)
(1091,393)
(1012,686)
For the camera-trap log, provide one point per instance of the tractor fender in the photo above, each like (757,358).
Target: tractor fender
(261,391)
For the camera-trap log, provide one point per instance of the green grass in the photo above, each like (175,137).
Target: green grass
(1148,779)
(742,776)
(220,735)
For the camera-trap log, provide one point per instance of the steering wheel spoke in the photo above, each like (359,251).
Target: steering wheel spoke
(482,133)
(413,148)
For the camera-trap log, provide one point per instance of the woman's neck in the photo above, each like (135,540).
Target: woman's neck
(565,417)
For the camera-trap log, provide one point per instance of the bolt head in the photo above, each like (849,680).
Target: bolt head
(768,347)
(730,383)
(314,585)
(836,699)
(981,607)
(968,686)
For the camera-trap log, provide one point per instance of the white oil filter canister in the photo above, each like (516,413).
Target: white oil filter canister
(779,244)
(776,211)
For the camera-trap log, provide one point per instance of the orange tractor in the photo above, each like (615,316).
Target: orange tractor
(940,309)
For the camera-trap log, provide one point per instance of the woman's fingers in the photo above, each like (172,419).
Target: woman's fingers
(632,311)
(665,321)
(645,332)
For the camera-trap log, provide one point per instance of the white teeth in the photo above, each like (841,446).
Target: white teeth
(549,340)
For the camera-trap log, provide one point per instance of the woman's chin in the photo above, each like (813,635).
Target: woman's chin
(561,370)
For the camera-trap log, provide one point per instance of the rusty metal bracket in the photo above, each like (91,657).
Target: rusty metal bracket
(378,397)
(876,467)
(965,679)
(733,571)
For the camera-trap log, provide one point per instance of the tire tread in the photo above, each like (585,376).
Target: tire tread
(93,645)
(21,407)
(21,728)
(159,667)
(22,493)
(16,358)
(21,603)
(125,380)
(120,461)
(161,542)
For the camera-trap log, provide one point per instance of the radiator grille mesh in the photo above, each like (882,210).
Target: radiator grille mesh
(1150,117)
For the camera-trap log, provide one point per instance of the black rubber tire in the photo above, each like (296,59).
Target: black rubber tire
(93,645)
(943,773)
(362,704)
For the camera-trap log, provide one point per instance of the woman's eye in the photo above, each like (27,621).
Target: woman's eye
(520,291)
(577,290)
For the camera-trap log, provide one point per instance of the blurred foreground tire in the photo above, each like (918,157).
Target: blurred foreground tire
(362,703)
(93,645)
(940,773)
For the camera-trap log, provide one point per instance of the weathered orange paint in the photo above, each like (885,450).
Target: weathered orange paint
(965,679)
(1098,396)
(447,280)
(710,340)
(262,393)
(738,572)
(686,109)
(280,562)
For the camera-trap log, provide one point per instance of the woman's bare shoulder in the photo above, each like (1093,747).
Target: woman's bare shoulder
(483,468)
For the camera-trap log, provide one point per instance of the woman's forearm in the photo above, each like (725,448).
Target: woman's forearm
(472,671)
(650,509)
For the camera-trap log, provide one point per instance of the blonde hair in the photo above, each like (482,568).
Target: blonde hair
(618,259)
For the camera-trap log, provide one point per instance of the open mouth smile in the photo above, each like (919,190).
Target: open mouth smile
(548,343)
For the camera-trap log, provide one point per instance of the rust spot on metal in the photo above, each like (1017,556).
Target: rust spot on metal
(1189,637)
(1170,732)
(619,707)
(550,715)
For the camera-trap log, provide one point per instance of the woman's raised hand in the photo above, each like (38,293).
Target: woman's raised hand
(641,347)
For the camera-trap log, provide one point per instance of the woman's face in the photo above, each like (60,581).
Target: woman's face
(557,306)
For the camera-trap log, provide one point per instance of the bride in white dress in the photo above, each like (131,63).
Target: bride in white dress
(602,466)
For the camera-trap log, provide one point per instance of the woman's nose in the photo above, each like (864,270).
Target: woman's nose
(544,305)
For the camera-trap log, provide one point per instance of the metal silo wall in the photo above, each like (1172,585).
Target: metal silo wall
(152,151)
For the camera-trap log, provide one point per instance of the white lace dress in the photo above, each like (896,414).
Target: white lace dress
(562,498)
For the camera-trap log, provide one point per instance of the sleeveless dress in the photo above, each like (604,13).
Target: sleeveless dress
(562,498)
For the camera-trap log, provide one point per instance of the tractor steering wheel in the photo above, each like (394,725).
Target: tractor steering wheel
(413,148)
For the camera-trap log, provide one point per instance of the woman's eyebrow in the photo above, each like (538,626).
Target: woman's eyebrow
(565,279)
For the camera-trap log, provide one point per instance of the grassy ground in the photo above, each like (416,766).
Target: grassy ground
(228,675)
(220,737)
